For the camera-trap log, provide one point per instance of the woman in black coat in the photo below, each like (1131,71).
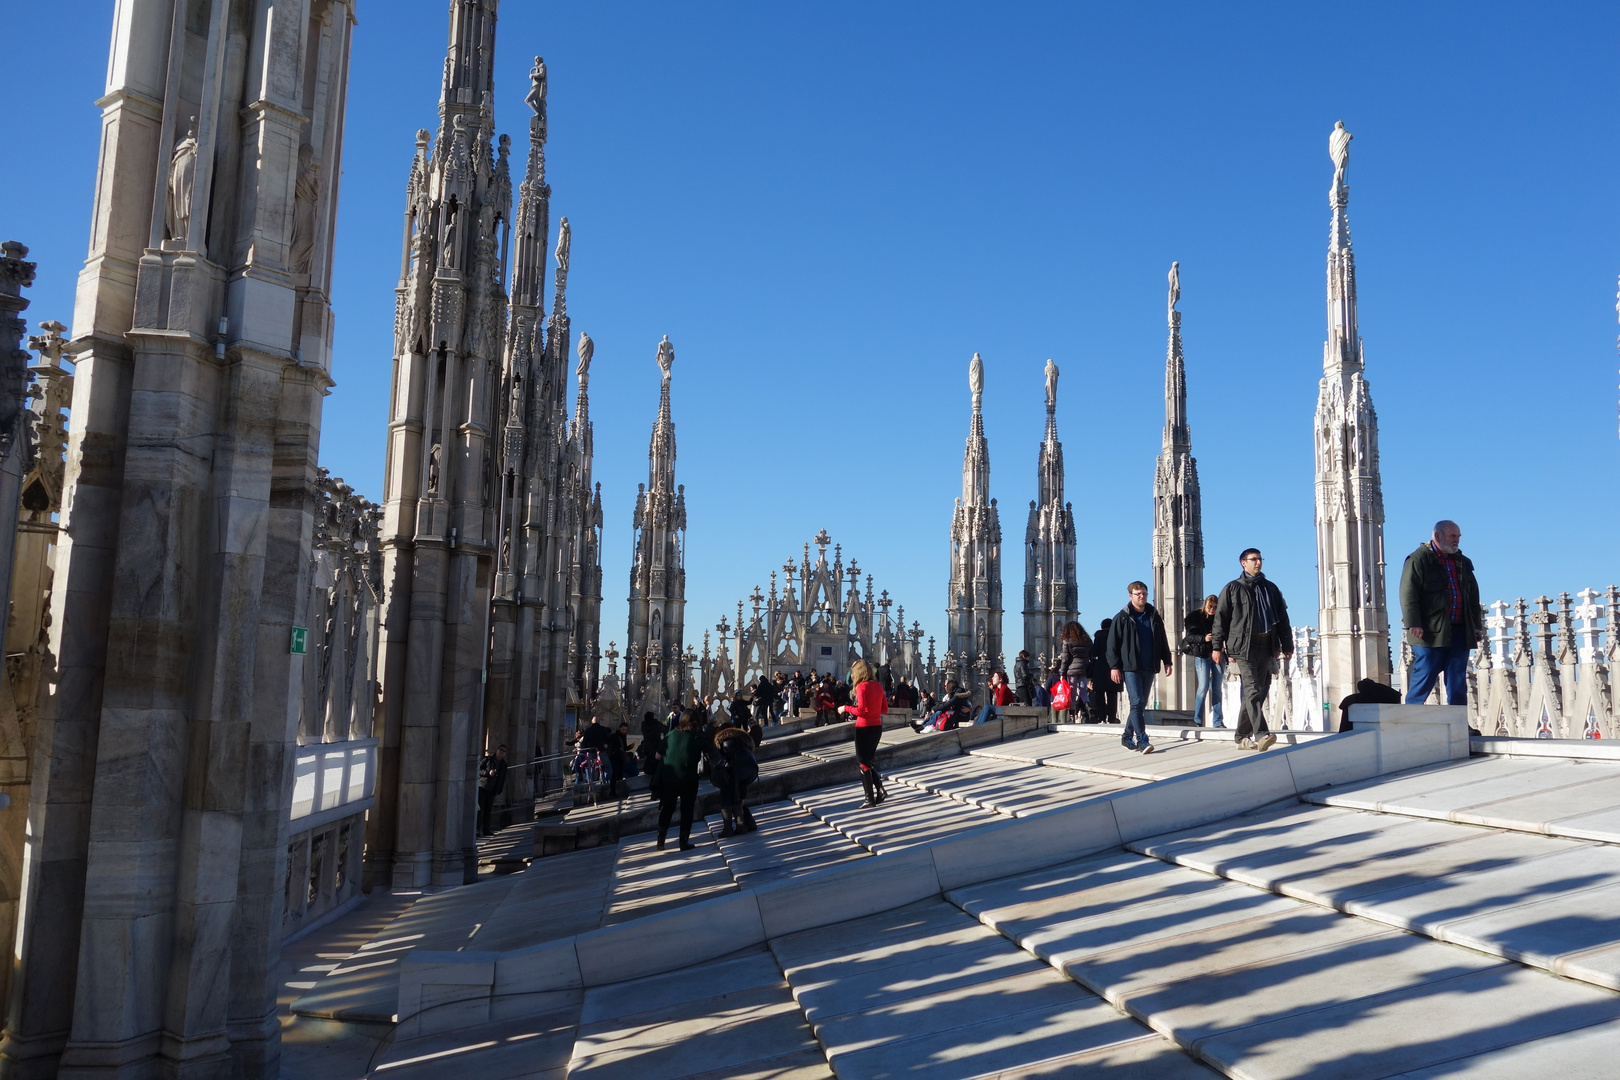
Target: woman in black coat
(1104,690)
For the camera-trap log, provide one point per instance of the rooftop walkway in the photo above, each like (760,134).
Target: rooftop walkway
(1372,904)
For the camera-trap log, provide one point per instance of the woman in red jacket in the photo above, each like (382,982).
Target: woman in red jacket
(870,705)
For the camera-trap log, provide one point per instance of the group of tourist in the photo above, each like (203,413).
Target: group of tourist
(1246,624)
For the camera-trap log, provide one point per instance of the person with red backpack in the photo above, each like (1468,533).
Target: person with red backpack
(867,710)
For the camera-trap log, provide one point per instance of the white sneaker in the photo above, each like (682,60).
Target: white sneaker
(1245,743)
(1267,741)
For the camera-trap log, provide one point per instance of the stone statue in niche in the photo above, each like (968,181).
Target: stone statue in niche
(1051,384)
(1339,151)
(306,194)
(564,239)
(586,350)
(433,468)
(451,232)
(182,182)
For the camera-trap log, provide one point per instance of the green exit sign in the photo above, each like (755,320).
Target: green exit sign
(300,640)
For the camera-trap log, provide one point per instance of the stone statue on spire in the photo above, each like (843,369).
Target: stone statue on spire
(1051,384)
(537,88)
(1175,289)
(666,358)
(1339,151)
(586,350)
(564,239)
(976,380)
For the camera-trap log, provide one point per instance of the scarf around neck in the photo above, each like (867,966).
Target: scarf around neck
(1265,610)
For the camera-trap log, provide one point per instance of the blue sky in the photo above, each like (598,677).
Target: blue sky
(828,208)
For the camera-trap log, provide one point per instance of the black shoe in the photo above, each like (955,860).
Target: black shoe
(660,843)
(877,786)
(687,845)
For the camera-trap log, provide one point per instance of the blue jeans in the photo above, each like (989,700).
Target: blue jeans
(1428,664)
(1137,685)
(1210,677)
(989,713)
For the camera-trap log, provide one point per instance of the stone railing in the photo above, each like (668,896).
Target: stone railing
(1544,669)
(1297,689)
(335,776)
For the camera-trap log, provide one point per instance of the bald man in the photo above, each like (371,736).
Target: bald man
(1440,607)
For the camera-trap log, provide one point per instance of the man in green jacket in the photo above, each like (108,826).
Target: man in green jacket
(1440,607)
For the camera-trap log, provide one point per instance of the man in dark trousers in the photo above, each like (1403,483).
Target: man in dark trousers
(1440,607)
(491,782)
(1137,649)
(1251,626)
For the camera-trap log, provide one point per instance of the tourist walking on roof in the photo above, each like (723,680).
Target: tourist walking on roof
(1196,644)
(1137,649)
(1104,687)
(678,776)
(1440,607)
(1251,626)
(867,710)
(735,767)
(763,698)
(491,782)
(1074,664)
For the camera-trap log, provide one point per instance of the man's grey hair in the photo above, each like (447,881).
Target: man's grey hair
(1443,524)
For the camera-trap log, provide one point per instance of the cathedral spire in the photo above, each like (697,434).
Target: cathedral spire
(1177,435)
(534,202)
(1178,527)
(974,607)
(1051,593)
(1343,351)
(1353,615)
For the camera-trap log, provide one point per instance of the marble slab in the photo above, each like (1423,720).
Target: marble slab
(1588,1053)
(1437,1021)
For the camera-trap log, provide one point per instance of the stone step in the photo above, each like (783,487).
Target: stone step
(1577,799)
(733,1018)
(493,914)
(1265,986)
(1545,902)
(926,992)
(789,842)
(908,818)
(1014,789)
(1093,752)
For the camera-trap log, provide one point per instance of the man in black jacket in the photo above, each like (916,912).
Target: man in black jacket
(1137,648)
(491,782)
(1251,626)
(1440,607)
